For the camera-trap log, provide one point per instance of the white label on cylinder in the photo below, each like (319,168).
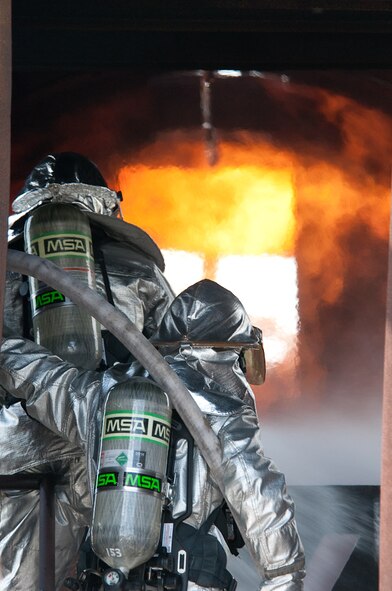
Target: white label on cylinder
(167,536)
(115,457)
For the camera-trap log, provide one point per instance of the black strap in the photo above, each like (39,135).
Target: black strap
(207,558)
(114,350)
(99,257)
(225,522)
(24,292)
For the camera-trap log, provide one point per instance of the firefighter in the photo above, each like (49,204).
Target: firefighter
(129,273)
(128,264)
(206,337)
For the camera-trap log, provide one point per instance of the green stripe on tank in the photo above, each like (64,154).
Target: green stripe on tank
(59,233)
(135,412)
(68,255)
(116,437)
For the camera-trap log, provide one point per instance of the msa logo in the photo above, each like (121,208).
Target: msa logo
(143,481)
(57,244)
(124,425)
(47,298)
(134,480)
(107,479)
(63,244)
(161,431)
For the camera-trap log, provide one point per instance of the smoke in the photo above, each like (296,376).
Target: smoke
(342,250)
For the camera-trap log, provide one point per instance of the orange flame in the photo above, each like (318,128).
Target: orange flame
(244,205)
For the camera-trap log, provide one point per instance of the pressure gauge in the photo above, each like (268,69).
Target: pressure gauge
(111,578)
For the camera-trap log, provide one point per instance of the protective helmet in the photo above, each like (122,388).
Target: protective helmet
(67,177)
(208,315)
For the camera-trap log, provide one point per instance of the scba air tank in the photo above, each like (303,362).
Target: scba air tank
(61,233)
(129,493)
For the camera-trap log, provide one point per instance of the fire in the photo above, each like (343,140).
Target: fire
(329,205)
(261,199)
(244,205)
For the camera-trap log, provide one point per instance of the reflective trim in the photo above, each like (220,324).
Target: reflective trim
(89,197)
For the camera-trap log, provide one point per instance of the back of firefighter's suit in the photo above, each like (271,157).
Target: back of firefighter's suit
(203,337)
(128,271)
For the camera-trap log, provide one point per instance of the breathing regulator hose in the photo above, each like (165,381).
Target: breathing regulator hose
(126,332)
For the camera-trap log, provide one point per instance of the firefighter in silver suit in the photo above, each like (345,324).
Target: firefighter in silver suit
(207,338)
(129,273)
(204,336)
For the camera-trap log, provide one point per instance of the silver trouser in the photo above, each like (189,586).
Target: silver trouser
(34,449)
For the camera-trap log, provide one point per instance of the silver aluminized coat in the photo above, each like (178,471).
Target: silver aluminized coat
(138,288)
(254,488)
(69,403)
